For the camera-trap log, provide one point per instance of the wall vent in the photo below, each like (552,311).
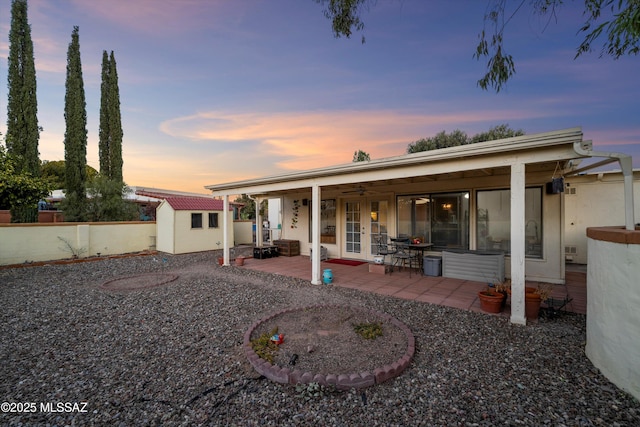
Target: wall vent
(571,190)
(570,250)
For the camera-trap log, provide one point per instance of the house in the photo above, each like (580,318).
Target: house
(192,224)
(592,200)
(502,195)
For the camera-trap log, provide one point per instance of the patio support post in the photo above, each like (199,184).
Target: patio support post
(517,243)
(315,235)
(225,229)
(258,223)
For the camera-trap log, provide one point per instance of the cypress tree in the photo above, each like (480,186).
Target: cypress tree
(22,106)
(115,122)
(103,132)
(110,121)
(75,137)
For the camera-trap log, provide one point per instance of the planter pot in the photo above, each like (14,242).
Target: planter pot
(491,303)
(527,290)
(240,261)
(220,260)
(532,305)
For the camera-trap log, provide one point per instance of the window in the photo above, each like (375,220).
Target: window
(213,219)
(442,219)
(378,225)
(327,221)
(196,220)
(493,230)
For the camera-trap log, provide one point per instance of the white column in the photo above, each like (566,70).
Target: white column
(258,223)
(225,229)
(315,235)
(517,243)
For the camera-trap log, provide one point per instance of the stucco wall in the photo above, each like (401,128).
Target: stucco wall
(200,239)
(165,240)
(243,232)
(613,315)
(548,269)
(594,200)
(48,242)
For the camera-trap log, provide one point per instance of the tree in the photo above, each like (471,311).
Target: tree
(23,133)
(20,191)
(75,137)
(110,133)
(361,156)
(54,172)
(621,30)
(498,132)
(107,201)
(441,140)
(458,137)
(249,209)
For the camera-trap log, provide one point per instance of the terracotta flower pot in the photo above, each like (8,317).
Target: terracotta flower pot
(220,260)
(240,261)
(532,305)
(491,302)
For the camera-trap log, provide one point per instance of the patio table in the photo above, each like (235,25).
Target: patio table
(420,247)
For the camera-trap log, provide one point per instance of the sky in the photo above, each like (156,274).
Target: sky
(215,91)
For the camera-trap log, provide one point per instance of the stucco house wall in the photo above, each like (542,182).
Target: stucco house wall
(549,268)
(594,200)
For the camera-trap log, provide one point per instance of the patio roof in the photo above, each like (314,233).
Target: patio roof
(543,150)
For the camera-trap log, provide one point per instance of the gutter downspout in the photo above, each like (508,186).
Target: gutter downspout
(584,148)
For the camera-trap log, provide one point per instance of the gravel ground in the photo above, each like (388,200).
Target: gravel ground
(171,355)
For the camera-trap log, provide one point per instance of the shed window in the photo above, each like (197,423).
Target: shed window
(213,219)
(196,220)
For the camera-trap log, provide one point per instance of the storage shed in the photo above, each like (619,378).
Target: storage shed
(191,224)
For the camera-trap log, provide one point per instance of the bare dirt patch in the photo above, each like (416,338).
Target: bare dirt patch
(322,340)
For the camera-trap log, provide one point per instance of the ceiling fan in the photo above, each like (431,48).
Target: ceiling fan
(360,190)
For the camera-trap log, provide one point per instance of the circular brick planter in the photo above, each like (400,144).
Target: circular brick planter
(140,281)
(343,381)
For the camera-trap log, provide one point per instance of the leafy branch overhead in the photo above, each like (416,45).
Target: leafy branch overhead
(617,21)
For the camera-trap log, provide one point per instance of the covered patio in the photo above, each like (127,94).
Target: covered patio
(503,195)
(438,290)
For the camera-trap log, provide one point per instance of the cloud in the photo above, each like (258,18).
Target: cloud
(311,139)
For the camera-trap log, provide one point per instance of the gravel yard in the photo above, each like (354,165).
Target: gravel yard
(171,355)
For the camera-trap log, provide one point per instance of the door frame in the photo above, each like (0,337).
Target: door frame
(365,225)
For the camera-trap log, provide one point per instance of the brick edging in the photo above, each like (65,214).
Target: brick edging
(348,381)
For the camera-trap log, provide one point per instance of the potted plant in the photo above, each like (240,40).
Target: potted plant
(533,297)
(490,300)
(502,287)
(220,258)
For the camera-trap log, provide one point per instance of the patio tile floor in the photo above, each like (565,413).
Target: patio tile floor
(435,290)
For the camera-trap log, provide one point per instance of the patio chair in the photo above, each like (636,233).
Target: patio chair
(403,258)
(383,248)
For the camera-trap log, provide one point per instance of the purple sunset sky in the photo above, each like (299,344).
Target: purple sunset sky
(217,91)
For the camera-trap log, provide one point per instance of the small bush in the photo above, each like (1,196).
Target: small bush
(368,331)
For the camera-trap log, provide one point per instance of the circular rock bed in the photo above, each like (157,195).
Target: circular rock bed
(140,281)
(321,346)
